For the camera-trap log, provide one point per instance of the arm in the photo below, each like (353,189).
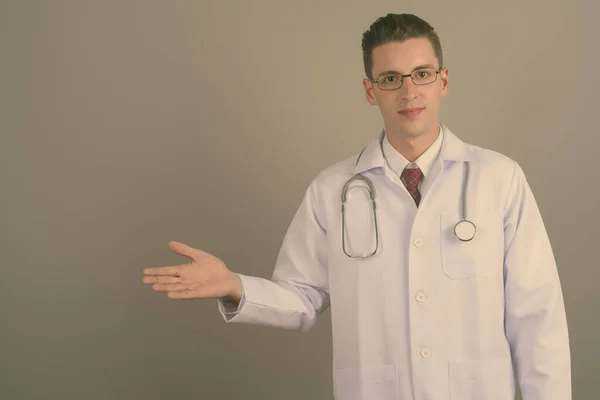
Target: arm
(298,290)
(535,319)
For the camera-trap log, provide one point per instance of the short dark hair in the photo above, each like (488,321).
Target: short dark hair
(397,27)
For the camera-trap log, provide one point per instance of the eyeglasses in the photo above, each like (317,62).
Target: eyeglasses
(393,81)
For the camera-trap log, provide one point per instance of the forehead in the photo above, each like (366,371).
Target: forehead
(403,56)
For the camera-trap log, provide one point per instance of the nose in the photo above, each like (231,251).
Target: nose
(409,90)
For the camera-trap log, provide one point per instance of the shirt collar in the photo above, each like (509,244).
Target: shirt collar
(452,149)
(397,162)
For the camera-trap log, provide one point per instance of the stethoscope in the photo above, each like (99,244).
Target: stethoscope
(464,229)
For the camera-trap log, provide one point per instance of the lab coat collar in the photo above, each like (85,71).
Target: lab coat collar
(453,149)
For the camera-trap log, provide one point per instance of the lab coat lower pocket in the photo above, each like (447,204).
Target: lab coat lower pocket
(482,256)
(489,379)
(366,383)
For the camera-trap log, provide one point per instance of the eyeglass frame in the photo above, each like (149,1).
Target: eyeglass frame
(402,76)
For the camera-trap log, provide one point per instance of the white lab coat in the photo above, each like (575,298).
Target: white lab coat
(428,317)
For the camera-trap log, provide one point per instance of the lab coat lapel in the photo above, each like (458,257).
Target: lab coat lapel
(453,150)
(371,156)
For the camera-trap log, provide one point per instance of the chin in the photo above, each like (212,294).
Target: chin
(402,126)
(412,129)
(414,134)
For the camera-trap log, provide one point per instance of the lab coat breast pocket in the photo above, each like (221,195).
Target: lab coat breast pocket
(366,383)
(481,257)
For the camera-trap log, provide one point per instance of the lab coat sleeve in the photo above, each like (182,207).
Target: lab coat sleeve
(229,307)
(535,318)
(297,292)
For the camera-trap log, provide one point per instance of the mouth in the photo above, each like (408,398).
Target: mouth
(411,112)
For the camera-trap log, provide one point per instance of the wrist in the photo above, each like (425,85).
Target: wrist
(236,291)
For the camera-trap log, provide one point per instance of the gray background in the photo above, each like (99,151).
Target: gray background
(126,124)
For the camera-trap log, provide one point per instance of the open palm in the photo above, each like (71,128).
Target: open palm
(205,276)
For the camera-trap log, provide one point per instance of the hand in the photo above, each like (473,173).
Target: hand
(206,276)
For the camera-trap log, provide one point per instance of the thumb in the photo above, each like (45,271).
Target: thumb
(183,249)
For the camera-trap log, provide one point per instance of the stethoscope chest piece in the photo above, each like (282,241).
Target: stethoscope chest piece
(465,230)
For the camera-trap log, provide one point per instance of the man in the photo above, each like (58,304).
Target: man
(422,307)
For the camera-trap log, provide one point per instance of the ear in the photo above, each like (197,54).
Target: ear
(444,79)
(370,91)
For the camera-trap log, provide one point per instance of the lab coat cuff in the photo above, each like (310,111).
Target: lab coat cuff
(229,308)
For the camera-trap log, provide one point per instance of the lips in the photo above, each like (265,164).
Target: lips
(411,112)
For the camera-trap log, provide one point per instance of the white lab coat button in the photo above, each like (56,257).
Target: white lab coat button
(418,242)
(425,353)
(421,297)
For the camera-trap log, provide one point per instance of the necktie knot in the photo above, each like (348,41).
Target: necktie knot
(411,177)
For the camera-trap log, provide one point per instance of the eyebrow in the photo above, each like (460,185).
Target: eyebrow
(414,69)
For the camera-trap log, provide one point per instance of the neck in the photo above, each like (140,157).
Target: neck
(411,147)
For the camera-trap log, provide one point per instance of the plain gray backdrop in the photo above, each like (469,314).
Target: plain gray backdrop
(127,124)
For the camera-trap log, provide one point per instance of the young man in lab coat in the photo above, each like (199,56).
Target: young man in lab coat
(429,315)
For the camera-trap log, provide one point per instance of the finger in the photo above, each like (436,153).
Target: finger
(161,279)
(184,294)
(173,270)
(175,287)
(183,249)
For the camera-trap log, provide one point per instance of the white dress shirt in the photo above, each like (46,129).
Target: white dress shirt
(397,162)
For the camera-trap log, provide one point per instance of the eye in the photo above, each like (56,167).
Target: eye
(389,78)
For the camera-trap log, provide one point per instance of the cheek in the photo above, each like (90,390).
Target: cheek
(432,98)
(387,102)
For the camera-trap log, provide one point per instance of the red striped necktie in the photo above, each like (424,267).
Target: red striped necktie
(411,177)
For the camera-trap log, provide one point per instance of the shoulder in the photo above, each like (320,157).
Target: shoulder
(337,171)
(329,181)
(501,174)
(493,163)
(488,157)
